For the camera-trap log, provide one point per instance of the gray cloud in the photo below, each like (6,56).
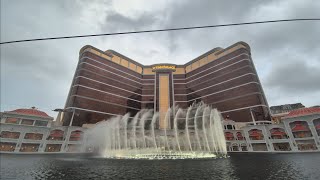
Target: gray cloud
(274,46)
(286,54)
(295,77)
(115,22)
(263,38)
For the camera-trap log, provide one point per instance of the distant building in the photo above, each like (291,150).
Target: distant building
(285,108)
(33,131)
(28,117)
(277,112)
(107,83)
(298,131)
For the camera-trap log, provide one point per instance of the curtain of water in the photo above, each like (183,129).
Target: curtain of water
(127,136)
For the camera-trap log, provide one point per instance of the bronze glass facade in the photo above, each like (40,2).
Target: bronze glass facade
(108,84)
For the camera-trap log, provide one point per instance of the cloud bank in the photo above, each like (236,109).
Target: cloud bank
(39,74)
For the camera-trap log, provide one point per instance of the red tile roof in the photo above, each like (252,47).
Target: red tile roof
(32,111)
(303,112)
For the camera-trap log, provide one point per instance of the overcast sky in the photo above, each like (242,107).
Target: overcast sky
(286,55)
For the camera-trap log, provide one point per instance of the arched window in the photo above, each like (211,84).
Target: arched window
(76,135)
(34,136)
(256,134)
(10,134)
(316,124)
(229,136)
(300,129)
(239,136)
(56,135)
(278,133)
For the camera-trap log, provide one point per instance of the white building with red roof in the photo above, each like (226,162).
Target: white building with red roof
(298,131)
(30,117)
(33,131)
(303,127)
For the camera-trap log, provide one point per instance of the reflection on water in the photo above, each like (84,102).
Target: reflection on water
(240,166)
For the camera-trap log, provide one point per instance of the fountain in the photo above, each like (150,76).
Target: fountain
(191,133)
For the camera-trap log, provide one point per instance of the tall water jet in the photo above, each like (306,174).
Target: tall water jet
(204,118)
(187,128)
(196,127)
(153,121)
(142,127)
(134,127)
(176,128)
(141,137)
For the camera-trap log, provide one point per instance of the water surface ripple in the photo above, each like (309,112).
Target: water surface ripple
(238,166)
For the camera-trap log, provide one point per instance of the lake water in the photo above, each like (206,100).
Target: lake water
(237,166)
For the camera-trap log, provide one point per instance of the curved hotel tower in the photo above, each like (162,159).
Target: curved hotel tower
(107,83)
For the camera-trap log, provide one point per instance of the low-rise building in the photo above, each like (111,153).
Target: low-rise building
(298,131)
(32,131)
(278,112)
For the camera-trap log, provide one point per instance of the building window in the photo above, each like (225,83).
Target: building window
(56,135)
(235,147)
(306,145)
(259,147)
(53,148)
(281,147)
(41,123)
(34,136)
(229,136)
(300,129)
(316,123)
(256,134)
(11,135)
(5,146)
(76,135)
(239,136)
(278,133)
(12,120)
(229,126)
(28,147)
(27,122)
(244,147)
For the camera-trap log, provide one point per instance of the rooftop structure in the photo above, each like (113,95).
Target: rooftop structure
(279,112)
(303,112)
(29,112)
(285,108)
(30,117)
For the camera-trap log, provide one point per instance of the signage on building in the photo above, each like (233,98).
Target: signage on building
(164,67)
